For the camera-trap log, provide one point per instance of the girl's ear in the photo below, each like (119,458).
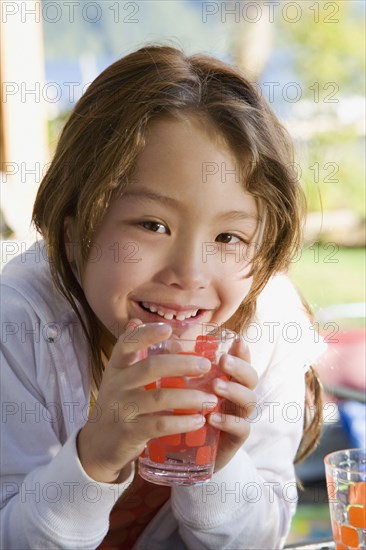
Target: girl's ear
(70,239)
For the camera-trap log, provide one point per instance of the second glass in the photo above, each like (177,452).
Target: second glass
(346,484)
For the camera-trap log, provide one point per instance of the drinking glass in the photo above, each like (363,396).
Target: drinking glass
(187,458)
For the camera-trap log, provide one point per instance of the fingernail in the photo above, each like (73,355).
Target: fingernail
(216,418)
(220,384)
(229,362)
(161,328)
(199,419)
(204,364)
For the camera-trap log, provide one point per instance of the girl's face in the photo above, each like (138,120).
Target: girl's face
(176,246)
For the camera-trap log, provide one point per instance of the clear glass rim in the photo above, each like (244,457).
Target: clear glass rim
(328,457)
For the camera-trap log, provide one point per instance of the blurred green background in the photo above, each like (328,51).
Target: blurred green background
(327,274)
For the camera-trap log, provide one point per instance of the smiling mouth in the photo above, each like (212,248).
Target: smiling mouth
(170,314)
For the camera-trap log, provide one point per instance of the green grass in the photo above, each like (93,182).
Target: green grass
(326,274)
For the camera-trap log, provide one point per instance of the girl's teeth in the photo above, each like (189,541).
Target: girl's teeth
(181,317)
(151,308)
(169,316)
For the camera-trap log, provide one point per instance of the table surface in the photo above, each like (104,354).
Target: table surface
(325,545)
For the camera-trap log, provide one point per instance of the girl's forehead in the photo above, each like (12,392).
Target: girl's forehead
(194,146)
(184,126)
(182,161)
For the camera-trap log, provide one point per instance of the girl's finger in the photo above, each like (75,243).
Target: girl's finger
(239,369)
(238,428)
(135,338)
(151,426)
(240,349)
(165,399)
(159,366)
(239,395)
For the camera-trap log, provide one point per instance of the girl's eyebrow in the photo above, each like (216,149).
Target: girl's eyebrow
(240,215)
(174,203)
(150,195)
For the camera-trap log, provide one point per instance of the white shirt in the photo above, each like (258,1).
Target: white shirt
(48,500)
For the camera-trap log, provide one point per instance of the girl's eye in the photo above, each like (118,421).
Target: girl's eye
(156,227)
(229,238)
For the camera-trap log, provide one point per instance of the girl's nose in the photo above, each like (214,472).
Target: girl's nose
(185,267)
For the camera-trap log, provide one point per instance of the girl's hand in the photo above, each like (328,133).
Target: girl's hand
(123,418)
(239,399)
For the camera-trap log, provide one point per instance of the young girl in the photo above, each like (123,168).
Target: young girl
(170,203)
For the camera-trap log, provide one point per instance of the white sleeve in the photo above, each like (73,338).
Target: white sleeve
(47,499)
(56,505)
(249,504)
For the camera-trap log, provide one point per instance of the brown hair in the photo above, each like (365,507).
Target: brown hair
(105,133)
